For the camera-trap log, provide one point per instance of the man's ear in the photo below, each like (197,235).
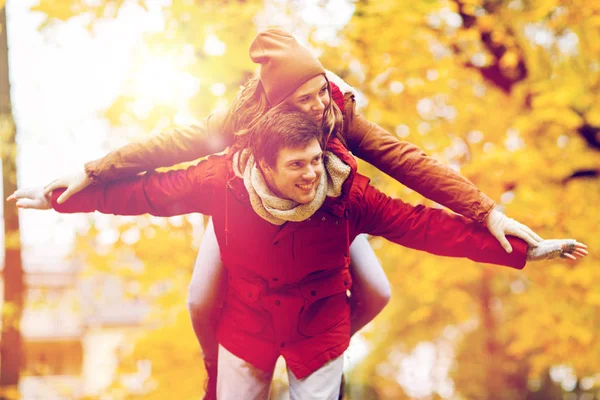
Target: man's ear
(264,166)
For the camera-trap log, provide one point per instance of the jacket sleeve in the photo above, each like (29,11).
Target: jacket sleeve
(158,193)
(432,230)
(165,149)
(410,166)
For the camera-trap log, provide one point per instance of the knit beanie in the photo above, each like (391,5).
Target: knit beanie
(284,63)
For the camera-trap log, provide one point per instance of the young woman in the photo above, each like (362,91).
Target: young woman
(291,75)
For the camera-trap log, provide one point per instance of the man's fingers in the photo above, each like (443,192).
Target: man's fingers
(27,203)
(572,249)
(580,249)
(19,194)
(567,249)
(580,253)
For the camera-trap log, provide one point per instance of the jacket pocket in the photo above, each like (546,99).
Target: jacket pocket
(243,317)
(325,304)
(242,306)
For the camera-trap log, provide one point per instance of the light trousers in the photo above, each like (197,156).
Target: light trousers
(238,379)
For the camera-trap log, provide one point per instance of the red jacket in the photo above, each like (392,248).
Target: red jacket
(287,284)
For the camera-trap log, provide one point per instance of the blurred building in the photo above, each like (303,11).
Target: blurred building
(73,330)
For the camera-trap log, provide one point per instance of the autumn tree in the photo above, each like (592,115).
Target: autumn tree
(11,356)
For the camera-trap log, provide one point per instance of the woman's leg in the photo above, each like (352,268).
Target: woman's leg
(370,287)
(204,302)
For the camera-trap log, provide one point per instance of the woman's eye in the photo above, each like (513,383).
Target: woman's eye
(323,91)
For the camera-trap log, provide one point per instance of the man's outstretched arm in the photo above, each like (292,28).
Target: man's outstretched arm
(440,232)
(161,194)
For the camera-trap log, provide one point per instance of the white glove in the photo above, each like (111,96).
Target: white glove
(554,248)
(31,198)
(500,225)
(74,183)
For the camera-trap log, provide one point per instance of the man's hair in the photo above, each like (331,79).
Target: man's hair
(281,128)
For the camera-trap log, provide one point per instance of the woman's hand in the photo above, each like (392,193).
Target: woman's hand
(74,183)
(500,225)
(554,248)
(31,198)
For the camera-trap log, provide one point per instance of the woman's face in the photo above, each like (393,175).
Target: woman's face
(312,97)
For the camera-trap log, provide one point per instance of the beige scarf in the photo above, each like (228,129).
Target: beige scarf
(277,210)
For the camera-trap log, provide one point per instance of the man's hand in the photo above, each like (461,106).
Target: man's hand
(500,225)
(555,248)
(31,198)
(74,183)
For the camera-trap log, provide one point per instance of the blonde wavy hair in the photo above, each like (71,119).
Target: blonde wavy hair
(250,104)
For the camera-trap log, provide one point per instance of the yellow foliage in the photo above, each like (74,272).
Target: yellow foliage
(10,393)
(509,60)
(565,117)
(61,10)
(486,23)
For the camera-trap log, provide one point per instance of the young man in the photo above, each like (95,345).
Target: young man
(285,214)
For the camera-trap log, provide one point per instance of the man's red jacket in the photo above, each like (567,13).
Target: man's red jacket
(287,285)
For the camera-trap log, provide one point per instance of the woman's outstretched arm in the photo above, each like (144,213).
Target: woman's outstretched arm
(409,165)
(168,148)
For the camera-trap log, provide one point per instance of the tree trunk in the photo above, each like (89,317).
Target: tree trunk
(490,350)
(10,342)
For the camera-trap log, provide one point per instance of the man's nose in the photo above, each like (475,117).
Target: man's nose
(309,173)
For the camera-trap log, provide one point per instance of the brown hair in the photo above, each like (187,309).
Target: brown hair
(281,128)
(251,104)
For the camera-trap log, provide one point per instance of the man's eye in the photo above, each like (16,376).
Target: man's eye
(323,90)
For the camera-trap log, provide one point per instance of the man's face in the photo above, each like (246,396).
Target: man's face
(296,173)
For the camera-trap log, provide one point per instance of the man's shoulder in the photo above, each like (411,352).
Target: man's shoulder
(358,188)
(216,167)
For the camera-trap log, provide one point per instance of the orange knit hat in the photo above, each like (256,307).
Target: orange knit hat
(284,63)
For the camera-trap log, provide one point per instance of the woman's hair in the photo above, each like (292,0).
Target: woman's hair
(246,109)
(333,120)
(251,104)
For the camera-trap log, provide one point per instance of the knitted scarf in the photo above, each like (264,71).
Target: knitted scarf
(277,210)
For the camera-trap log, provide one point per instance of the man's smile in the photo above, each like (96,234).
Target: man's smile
(307,187)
